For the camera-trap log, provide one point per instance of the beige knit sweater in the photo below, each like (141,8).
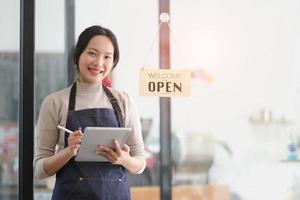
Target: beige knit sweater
(54,109)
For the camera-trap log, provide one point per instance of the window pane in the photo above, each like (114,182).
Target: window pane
(238,132)
(50,67)
(9,98)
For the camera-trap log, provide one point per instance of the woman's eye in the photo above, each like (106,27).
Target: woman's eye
(91,53)
(108,57)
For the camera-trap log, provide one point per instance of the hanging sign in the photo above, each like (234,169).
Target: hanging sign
(165,82)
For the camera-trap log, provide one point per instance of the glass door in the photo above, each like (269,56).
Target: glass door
(9,98)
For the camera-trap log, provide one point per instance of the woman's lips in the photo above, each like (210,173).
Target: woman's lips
(95,71)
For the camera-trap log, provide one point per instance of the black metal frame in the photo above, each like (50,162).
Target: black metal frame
(165,110)
(26,99)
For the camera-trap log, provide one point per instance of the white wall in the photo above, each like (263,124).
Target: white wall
(49,26)
(10,25)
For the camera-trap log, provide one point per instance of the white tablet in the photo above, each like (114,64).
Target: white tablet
(94,136)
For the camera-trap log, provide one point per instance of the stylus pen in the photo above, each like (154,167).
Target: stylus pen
(64,129)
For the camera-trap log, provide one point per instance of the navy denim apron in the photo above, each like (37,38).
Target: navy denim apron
(92,180)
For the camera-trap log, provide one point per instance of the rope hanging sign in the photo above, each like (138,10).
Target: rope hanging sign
(165,82)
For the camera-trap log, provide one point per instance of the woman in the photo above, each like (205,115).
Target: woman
(89,103)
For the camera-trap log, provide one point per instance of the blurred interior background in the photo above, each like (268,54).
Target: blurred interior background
(236,137)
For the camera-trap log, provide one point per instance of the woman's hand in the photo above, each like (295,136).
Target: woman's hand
(117,156)
(74,141)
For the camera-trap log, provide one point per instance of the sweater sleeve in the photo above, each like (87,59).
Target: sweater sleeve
(132,120)
(46,136)
(135,140)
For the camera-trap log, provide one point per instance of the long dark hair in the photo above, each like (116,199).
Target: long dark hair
(85,38)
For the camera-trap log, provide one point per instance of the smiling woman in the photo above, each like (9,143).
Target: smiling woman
(89,103)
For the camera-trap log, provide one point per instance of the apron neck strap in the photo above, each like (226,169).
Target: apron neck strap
(72,98)
(115,103)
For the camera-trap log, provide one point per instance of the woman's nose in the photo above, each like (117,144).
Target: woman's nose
(98,61)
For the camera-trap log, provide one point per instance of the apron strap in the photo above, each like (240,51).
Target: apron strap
(115,103)
(72,98)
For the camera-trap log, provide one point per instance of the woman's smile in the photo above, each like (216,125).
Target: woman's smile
(95,71)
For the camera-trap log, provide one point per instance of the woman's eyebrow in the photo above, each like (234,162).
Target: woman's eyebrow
(91,48)
(94,49)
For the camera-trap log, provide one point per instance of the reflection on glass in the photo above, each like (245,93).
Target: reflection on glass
(194,155)
(9,131)
(9,99)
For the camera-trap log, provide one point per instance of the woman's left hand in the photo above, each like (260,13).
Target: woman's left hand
(117,156)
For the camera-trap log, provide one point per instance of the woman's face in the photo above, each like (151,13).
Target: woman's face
(96,61)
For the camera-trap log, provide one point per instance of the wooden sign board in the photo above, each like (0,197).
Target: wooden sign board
(165,82)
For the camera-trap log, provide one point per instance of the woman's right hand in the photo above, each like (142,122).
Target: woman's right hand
(74,141)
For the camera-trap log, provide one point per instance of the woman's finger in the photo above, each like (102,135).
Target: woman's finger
(76,146)
(108,150)
(126,148)
(118,148)
(75,141)
(77,133)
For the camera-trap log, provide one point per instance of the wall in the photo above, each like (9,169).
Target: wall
(9,28)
